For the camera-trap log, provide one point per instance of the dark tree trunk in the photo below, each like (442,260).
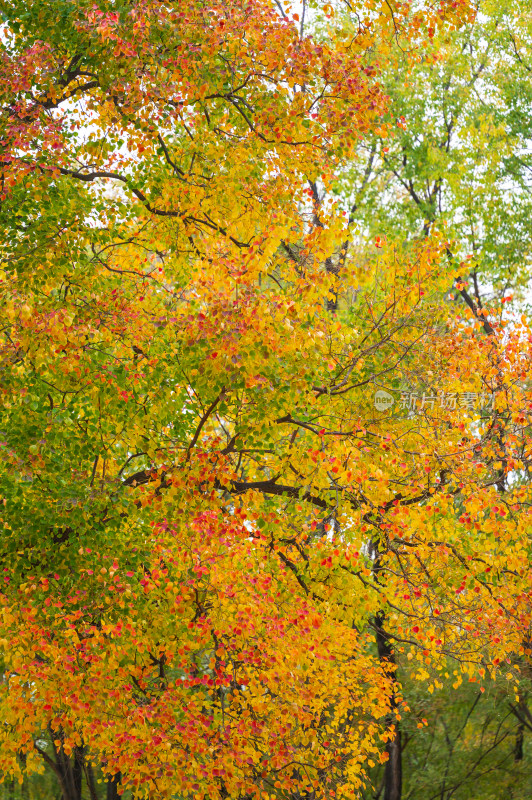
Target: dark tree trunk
(112,787)
(393,774)
(71,769)
(67,768)
(24,794)
(519,739)
(91,783)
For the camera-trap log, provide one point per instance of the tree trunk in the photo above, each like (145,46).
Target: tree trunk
(519,738)
(71,768)
(393,774)
(68,768)
(112,787)
(91,783)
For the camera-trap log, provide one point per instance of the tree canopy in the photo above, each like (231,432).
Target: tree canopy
(265,425)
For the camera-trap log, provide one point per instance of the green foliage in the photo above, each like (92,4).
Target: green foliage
(458,154)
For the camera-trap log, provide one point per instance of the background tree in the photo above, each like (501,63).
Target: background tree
(459,156)
(459,160)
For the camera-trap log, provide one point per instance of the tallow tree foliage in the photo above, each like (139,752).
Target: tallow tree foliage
(460,161)
(217,540)
(460,156)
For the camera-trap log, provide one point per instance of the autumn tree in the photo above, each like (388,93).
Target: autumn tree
(215,544)
(458,162)
(459,156)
